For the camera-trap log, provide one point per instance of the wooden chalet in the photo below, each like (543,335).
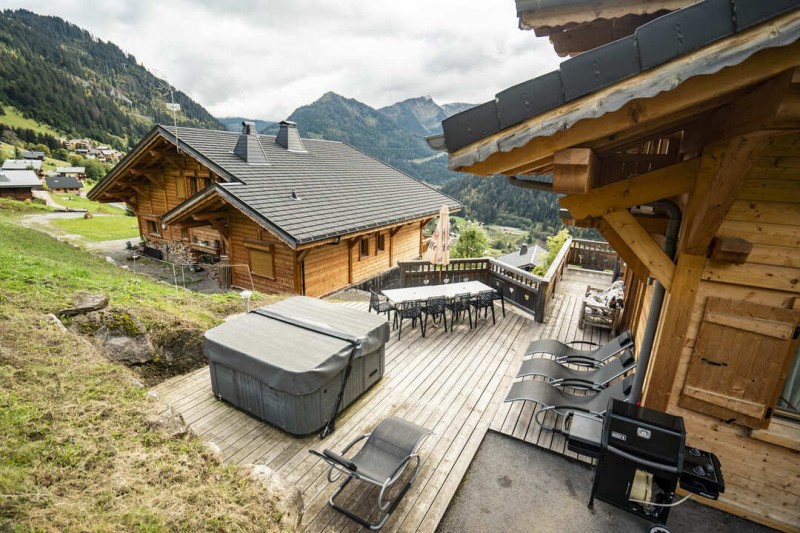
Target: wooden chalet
(680,142)
(18,184)
(292,215)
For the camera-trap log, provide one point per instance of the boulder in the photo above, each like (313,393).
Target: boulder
(83,303)
(170,423)
(122,337)
(287,499)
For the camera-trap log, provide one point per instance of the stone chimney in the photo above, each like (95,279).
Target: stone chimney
(248,147)
(523,250)
(289,138)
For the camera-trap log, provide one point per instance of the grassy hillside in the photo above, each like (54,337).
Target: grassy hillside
(12,117)
(79,452)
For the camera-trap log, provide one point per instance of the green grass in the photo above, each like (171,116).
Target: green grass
(79,202)
(100,228)
(78,452)
(12,117)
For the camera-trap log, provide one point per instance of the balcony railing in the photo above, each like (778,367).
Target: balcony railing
(527,291)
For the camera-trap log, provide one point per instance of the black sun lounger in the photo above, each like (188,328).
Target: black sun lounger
(565,353)
(383,458)
(553,398)
(561,376)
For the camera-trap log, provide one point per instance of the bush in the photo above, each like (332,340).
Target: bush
(554,244)
(472,240)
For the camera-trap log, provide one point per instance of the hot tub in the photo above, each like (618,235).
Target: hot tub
(284,363)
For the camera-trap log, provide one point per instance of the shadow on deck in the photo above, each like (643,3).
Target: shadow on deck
(453,383)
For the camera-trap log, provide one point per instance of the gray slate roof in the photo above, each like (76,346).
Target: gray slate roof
(63,182)
(341,190)
(655,43)
(21,164)
(18,178)
(533,256)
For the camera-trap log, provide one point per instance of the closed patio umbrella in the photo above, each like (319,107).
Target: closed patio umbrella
(438,251)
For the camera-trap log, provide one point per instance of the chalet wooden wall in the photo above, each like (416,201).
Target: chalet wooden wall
(326,269)
(15,193)
(763,479)
(244,231)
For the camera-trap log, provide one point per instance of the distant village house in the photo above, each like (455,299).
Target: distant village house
(292,215)
(63,184)
(75,172)
(18,184)
(23,164)
(525,258)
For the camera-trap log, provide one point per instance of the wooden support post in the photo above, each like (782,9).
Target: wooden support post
(643,246)
(642,189)
(622,248)
(392,233)
(723,189)
(350,244)
(574,171)
(675,318)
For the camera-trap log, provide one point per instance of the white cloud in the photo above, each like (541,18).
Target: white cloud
(263,59)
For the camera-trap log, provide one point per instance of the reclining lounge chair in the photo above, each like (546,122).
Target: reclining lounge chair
(383,458)
(554,399)
(564,353)
(561,376)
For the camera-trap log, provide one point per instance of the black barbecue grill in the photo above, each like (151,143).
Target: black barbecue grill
(641,458)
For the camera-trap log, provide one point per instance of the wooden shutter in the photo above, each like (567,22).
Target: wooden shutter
(740,361)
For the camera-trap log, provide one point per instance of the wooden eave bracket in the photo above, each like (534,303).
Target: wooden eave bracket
(642,245)
(730,249)
(725,178)
(642,189)
(575,171)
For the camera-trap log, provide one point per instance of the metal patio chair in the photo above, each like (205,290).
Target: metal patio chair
(457,305)
(435,307)
(565,353)
(381,461)
(380,304)
(554,399)
(483,300)
(557,374)
(500,295)
(412,310)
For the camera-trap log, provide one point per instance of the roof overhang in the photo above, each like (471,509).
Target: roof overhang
(677,90)
(535,14)
(157,133)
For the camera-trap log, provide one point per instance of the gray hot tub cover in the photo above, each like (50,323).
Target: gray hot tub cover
(296,345)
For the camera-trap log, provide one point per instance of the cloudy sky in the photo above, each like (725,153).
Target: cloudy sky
(262,59)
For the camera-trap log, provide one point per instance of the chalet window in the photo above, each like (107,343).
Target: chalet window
(741,359)
(191,186)
(262,260)
(152,227)
(184,234)
(363,247)
(204,182)
(380,242)
(180,187)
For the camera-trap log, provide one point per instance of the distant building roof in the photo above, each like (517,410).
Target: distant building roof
(18,178)
(32,154)
(63,182)
(71,170)
(21,164)
(526,256)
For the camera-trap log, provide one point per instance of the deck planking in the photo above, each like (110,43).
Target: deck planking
(453,383)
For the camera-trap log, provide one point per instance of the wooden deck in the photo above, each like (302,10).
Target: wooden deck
(452,383)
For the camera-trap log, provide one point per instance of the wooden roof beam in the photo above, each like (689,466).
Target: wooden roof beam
(211,215)
(727,179)
(642,245)
(644,188)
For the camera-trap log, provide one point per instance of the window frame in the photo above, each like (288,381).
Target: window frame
(261,247)
(363,248)
(380,243)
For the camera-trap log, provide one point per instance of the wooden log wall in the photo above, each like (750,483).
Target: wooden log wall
(17,193)
(763,479)
(244,231)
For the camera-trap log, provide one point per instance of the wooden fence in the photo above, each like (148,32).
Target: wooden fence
(527,291)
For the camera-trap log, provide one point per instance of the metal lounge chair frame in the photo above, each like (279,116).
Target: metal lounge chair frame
(565,353)
(557,374)
(387,452)
(554,399)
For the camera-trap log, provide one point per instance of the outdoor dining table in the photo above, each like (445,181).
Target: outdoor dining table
(423,292)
